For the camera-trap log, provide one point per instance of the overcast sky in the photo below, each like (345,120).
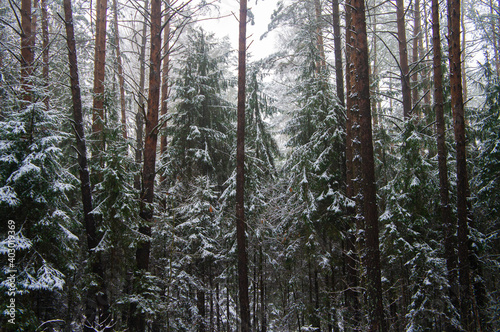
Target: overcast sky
(228,26)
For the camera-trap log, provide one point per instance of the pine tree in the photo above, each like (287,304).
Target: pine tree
(201,127)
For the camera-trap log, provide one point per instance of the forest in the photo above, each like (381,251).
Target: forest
(157,176)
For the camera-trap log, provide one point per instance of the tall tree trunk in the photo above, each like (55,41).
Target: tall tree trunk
(164,83)
(200,299)
(463,54)
(151,138)
(45,51)
(139,117)
(27,45)
(97,298)
(417,44)
(240,176)
(426,73)
(403,59)
(352,172)
(99,73)
(449,227)
(339,73)
(496,40)
(457,106)
(370,215)
(321,63)
(374,76)
(120,69)
(263,308)
(497,31)
(34,22)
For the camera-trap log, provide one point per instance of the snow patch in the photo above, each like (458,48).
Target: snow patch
(8,196)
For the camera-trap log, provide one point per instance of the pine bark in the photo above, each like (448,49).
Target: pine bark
(368,189)
(121,79)
(139,117)
(99,73)
(417,45)
(449,227)
(457,106)
(352,172)
(240,176)
(45,51)
(150,142)
(403,59)
(339,73)
(97,298)
(321,63)
(164,83)
(496,40)
(426,73)
(27,49)
(463,54)
(151,131)
(34,23)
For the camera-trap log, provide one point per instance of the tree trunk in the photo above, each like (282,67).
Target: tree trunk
(34,23)
(417,45)
(240,176)
(99,73)
(45,51)
(403,59)
(200,299)
(457,107)
(27,45)
(463,54)
(151,132)
(321,63)
(164,83)
(374,77)
(151,137)
(97,298)
(263,308)
(362,103)
(139,117)
(352,171)
(120,69)
(449,227)
(426,73)
(339,74)
(496,40)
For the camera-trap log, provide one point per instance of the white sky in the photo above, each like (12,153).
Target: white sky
(228,26)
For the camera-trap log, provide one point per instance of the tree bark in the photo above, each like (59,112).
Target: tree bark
(45,51)
(164,83)
(240,175)
(139,118)
(120,69)
(151,132)
(403,59)
(496,46)
(321,63)
(370,215)
(457,107)
(138,319)
(97,298)
(449,227)
(374,70)
(417,45)
(99,73)
(426,73)
(339,74)
(27,45)
(463,54)
(352,172)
